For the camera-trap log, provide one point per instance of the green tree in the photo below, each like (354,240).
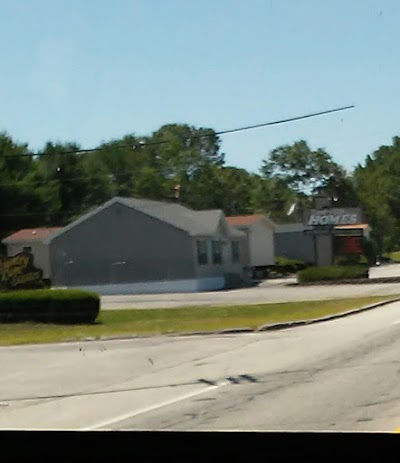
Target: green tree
(303,169)
(147,182)
(16,194)
(98,184)
(68,183)
(273,197)
(377,184)
(122,160)
(182,150)
(59,180)
(216,187)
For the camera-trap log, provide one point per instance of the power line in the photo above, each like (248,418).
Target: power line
(222,132)
(70,213)
(284,121)
(111,176)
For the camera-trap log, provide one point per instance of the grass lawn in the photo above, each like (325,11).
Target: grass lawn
(395,256)
(161,321)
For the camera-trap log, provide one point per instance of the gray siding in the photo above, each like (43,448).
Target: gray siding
(209,270)
(121,245)
(227,266)
(324,250)
(295,245)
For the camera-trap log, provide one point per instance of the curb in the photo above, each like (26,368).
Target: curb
(207,333)
(355,281)
(236,330)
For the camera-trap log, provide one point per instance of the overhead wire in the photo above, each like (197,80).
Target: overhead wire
(211,134)
(205,135)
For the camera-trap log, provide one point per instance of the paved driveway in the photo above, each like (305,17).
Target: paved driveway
(384,271)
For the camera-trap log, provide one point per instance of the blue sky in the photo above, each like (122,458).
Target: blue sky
(93,70)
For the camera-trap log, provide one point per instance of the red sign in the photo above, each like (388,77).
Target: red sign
(349,245)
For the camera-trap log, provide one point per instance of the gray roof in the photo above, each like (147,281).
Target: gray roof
(196,223)
(193,222)
(290,227)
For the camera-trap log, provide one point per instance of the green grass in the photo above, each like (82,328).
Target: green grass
(160,321)
(395,256)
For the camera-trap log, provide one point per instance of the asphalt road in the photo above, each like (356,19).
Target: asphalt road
(338,375)
(267,291)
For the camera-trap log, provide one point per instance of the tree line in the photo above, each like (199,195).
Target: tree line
(62,183)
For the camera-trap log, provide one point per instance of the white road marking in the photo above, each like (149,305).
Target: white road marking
(151,408)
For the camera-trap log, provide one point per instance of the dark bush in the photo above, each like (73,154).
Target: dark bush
(351,259)
(49,306)
(285,266)
(333,272)
(370,251)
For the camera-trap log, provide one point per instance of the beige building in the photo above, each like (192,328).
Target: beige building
(260,237)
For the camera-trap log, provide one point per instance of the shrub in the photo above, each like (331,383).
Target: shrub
(333,272)
(370,251)
(49,306)
(352,260)
(284,266)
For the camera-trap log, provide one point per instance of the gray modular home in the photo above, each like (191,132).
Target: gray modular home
(133,245)
(292,241)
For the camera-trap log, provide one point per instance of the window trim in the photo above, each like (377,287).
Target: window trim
(214,254)
(200,261)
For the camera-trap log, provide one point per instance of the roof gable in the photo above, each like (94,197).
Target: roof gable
(195,223)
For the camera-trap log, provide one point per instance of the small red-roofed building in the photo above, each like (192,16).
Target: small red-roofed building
(32,240)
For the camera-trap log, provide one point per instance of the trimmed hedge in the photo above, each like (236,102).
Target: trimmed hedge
(345,272)
(49,306)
